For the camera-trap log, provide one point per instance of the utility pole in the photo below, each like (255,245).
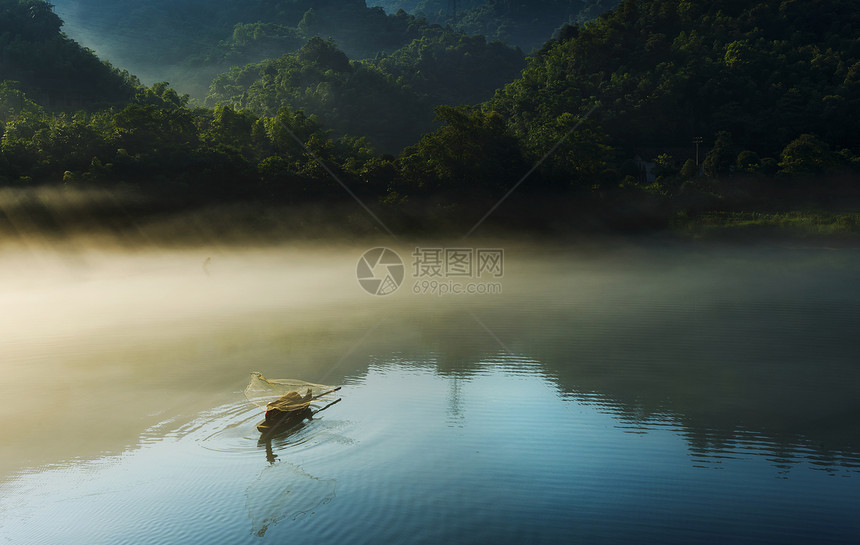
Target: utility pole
(452,9)
(697,140)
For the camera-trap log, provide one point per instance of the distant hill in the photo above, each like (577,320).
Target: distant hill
(388,99)
(359,32)
(603,120)
(51,68)
(527,25)
(662,72)
(188,42)
(772,89)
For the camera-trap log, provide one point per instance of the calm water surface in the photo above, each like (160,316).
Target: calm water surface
(653,394)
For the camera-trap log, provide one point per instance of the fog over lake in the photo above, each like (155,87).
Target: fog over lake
(677,392)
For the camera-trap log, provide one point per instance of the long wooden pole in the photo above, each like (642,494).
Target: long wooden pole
(326,393)
(335,402)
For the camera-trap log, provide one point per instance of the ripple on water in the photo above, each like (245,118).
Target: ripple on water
(283,492)
(525,462)
(231,430)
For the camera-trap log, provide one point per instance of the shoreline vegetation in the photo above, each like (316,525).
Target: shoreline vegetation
(717,121)
(125,218)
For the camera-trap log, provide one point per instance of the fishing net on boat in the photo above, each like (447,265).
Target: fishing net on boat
(285,394)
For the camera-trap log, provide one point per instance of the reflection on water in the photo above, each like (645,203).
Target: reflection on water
(285,492)
(418,456)
(651,395)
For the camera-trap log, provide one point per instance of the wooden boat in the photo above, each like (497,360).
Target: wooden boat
(290,410)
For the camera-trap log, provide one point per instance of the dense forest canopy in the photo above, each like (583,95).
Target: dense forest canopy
(666,71)
(388,99)
(769,88)
(191,41)
(524,24)
(50,67)
(602,118)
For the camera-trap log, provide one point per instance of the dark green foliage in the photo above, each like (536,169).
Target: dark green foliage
(31,20)
(748,162)
(50,67)
(389,99)
(664,71)
(254,42)
(14,101)
(147,129)
(325,55)
(664,166)
(452,68)
(689,170)
(362,32)
(157,142)
(720,161)
(175,30)
(527,25)
(194,41)
(807,154)
(580,153)
(352,99)
(650,75)
(473,154)
(189,42)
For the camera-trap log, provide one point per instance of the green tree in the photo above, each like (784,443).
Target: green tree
(748,161)
(231,128)
(664,166)
(325,54)
(807,154)
(473,154)
(50,67)
(689,170)
(146,129)
(13,101)
(769,166)
(720,160)
(580,153)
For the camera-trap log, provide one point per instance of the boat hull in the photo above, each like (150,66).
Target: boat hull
(277,421)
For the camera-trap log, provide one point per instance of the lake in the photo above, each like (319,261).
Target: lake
(615,393)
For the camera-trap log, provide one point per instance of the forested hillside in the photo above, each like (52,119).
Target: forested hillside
(50,67)
(388,99)
(189,41)
(771,89)
(662,72)
(524,24)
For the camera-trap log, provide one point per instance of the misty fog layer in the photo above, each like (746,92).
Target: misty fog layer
(723,340)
